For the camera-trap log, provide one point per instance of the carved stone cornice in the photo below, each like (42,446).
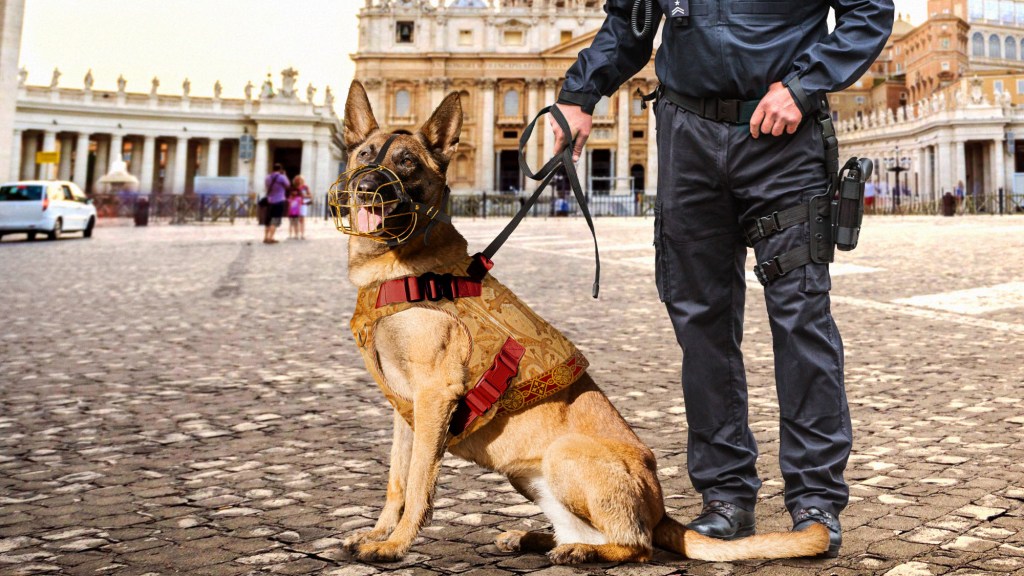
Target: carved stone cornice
(488,83)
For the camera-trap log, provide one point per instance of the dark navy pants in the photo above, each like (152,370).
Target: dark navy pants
(712,177)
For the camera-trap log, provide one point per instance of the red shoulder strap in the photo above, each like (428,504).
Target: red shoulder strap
(489,389)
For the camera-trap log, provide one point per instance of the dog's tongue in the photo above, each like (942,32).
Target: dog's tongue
(368,220)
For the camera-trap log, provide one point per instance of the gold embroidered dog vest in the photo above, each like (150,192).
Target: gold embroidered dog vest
(550,362)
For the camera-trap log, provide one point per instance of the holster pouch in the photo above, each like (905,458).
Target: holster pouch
(848,205)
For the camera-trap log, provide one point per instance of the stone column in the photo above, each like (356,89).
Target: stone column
(998,168)
(959,166)
(29,168)
(549,135)
(259,165)
(622,146)
(116,149)
(102,163)
(928,177)
(180,165)
(15,168)
(64,167)
(48,171)
(485,163)
(326,170)
(651,175)
(12,14)
(135,160)
(148,165)
(213,157)
(82,159)
(308,159)
(373,88)
(532,106)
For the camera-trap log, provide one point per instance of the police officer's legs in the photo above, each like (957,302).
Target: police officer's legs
(772,174)
(700,260)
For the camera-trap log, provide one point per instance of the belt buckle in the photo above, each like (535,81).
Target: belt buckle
(768,225)
(728,111)
(768,271)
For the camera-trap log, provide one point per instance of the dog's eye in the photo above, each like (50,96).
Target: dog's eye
(365,152)
(409,162)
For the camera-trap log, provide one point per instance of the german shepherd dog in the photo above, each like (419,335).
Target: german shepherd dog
(572,453)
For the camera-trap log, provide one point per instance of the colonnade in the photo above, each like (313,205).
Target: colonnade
(162,163)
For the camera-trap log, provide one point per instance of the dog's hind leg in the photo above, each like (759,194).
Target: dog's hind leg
(401,452)
(602,497)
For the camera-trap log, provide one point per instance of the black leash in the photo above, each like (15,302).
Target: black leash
(545,175)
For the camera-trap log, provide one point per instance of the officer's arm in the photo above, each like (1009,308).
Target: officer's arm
(615,55)
(862,28)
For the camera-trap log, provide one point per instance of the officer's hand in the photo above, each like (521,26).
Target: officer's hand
(579,122)
(776,113)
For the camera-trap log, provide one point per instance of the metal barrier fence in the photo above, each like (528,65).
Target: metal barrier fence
(994,204)
(191,208)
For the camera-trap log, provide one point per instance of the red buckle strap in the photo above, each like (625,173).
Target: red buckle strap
(430,286)
(491,386)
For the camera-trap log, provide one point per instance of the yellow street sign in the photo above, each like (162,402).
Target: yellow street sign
(47,157)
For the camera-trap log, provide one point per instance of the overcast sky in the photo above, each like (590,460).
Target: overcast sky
(233,41)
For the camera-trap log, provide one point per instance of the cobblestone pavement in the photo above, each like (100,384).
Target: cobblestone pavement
(186,400)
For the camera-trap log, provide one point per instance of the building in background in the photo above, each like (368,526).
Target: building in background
(169,139)
(12,13)
(507,58)
(943,104)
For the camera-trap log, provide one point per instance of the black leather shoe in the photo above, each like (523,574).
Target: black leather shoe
(723,520)
(808,516)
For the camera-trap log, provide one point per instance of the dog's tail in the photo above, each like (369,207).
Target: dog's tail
(671,535)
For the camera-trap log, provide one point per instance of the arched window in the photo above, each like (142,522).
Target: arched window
(978,44)
(1022,47)
(403,103)
(1010,52)
(994,47)
(510,107)
(601,109)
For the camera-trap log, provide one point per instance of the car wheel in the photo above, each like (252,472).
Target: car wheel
(87,233)
(55,233)
(31,236)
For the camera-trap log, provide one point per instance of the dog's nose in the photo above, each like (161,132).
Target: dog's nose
(365,185)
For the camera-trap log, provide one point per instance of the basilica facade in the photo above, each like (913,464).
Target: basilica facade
(507,59)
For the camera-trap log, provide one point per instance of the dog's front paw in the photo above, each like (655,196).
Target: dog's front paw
(510,541)
(358,538)
(573,554)
(386,551)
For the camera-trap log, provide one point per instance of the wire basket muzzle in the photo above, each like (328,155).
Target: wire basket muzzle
(371,202)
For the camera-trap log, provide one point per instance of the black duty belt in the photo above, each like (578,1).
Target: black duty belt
(717,109)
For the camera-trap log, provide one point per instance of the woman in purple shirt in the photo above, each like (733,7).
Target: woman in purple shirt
(277,185)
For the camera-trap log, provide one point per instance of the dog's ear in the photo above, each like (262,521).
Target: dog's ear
(441,132)
(359,120)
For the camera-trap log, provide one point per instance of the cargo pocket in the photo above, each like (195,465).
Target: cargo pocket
(660,271)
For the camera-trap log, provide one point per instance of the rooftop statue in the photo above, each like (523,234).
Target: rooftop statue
(155,87)
(267,90)
(186,88)
(121,83)
(310,93)
(22,77)
(328,98)
(288,77)
(248,90)
(88,80)
(217,90)
(55,80)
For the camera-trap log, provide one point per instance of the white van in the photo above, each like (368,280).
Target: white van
(45,206)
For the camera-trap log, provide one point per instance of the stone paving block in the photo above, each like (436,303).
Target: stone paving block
(195,445)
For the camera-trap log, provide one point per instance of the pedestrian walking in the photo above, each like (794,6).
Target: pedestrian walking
(299,184)
(277,185)
(764,66)
(869,197)
(959,193)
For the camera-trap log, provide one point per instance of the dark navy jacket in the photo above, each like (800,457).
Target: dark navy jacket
(734,49)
